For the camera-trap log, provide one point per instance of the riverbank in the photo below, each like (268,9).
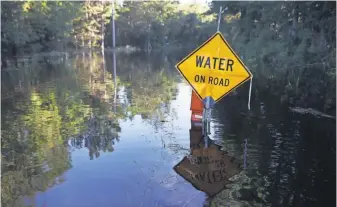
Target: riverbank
(21,60)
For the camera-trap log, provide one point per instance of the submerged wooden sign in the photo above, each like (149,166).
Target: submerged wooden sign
(213,69)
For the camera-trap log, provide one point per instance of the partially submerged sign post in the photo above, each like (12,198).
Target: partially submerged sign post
(214,70)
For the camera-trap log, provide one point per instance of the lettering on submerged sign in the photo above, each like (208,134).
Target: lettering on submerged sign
(213,69)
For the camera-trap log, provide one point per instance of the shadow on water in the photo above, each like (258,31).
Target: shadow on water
(71,136)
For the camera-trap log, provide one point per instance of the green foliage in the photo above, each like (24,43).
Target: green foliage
(35,26)
(285,44)
(90,23)
(281,42)
(154,24)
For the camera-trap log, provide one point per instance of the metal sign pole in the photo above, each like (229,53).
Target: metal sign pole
(113,25)
(219,18)
(208,102)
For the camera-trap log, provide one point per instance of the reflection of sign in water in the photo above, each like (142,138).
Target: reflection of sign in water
(207,169)
(213,69)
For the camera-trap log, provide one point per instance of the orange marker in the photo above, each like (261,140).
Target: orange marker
(196,108)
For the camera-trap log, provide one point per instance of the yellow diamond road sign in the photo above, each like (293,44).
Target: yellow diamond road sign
(213,69)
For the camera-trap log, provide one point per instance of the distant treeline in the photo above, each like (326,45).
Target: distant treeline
(36,26)
(39,26)
(287,43)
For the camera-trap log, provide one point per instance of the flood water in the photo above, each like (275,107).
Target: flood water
(74,135)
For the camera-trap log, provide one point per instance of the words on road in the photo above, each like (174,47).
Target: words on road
(213,69)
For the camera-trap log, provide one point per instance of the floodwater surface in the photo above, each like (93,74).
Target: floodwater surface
(75,135)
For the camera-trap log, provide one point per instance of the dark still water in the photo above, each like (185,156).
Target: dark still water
(74,135)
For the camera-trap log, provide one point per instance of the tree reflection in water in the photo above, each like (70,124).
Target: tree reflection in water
(100,135)
(58,107)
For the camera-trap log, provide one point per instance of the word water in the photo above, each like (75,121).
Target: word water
(214,63)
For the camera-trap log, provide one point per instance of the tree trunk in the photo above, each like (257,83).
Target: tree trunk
(102,29)
(87,18)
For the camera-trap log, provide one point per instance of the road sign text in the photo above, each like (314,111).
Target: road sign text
(214,63)
(211,80)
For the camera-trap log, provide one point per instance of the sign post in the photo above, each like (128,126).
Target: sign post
(213,70)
